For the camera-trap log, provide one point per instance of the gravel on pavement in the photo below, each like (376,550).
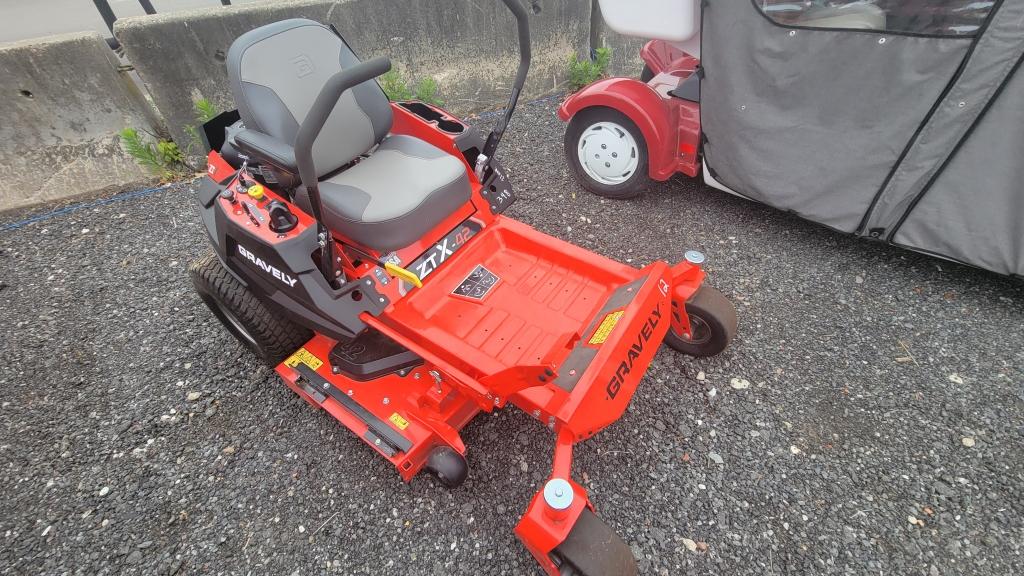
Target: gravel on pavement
(868,419)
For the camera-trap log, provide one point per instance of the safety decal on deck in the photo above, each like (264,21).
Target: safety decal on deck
(303,356)
(477,284)
(606,327)
(397,420)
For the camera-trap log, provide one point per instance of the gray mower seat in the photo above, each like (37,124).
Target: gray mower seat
(396,195)
(397,191)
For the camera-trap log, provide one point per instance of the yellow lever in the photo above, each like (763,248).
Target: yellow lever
(399,272)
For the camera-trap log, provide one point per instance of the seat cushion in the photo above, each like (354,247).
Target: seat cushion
(400,192)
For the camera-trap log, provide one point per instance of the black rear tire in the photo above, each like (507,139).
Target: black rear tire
(646,75)
(583,121)
(260,328)
(593,549)
(712,321)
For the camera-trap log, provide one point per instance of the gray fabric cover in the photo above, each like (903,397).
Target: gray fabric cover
(974,212)
(811,121)
(398,194)
(993,58)
(276,72)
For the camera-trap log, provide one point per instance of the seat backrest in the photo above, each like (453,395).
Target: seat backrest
(276,72)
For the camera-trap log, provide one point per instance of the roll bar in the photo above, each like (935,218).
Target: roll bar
(310,128)
(494,138)
(321,110)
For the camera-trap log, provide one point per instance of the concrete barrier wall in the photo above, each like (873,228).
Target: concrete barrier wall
(468,46)
(65,99)
(62,106)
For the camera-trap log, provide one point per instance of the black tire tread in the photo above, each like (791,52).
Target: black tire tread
(718,312)
(276,336)
(593,549)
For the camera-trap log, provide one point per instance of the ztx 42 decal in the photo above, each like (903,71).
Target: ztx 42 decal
(427,262)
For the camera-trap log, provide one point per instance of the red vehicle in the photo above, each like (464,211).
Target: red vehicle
(623,132)
(359,247)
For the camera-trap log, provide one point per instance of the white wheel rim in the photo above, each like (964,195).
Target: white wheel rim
(608,153)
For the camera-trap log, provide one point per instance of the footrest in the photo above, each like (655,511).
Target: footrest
(372,355)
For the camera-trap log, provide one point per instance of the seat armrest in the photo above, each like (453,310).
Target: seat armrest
(265,149)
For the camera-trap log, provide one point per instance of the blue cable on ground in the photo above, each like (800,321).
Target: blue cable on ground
(85,205)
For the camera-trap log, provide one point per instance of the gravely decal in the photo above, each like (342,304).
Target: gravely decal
(633,353)
(269,269)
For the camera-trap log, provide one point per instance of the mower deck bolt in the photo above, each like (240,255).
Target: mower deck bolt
(349,392)
(335,369)
(386,401)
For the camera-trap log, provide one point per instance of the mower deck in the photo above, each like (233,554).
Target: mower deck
(401,415)
(518,317)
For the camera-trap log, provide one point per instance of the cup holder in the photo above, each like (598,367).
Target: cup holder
(428,114)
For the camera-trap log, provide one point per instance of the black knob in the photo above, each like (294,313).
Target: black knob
(281,218)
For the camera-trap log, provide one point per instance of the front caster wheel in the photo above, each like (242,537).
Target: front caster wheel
(593,549)
(448,466)
(607,153)
(712,324)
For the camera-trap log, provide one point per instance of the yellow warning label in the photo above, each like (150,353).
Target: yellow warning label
(397,420)
(303,356)
(606,327)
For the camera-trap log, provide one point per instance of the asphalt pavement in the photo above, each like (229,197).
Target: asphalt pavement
(868,419)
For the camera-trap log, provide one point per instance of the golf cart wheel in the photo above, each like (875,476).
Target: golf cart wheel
(593,549)
(607,153)
(646,75)
(260,328)
(712,324)
(448,466)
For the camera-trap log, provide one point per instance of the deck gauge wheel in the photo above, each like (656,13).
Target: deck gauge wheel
(712,324)
(448,466)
